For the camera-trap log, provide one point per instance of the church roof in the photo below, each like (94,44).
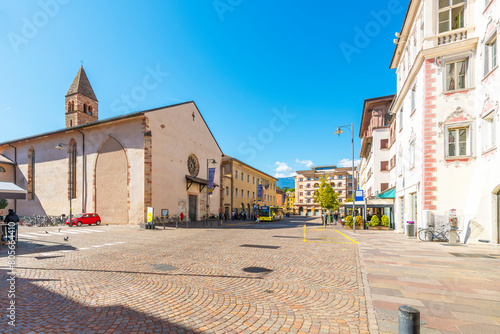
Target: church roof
(81,85)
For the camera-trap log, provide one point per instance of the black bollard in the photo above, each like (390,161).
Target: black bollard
(409,320)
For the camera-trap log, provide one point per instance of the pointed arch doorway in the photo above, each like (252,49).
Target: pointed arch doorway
(111,183)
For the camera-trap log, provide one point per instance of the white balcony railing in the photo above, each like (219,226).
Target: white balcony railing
(452,36)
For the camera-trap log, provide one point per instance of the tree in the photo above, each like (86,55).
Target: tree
(290,190)
(325,196)
(3,204)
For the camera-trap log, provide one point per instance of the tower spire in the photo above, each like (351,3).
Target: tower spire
(81,102)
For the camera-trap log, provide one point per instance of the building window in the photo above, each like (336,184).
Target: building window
(236,174)
(301,179)
(31,173)
(458,142)
(488,131)
(2,170)
(242,193)
(339,184)
(451,15)
(242,177)
(384,143)
(349,176)
(248,178)
(301,193)
(301,201)
(400,119)
(236,192)
(340,177)
(332,184)
(90,110)
(384,187)
(413,98)
(301,187)
(72,170)
(227,191)
(456,75)
(84,108)
(308,185)
(490,55)
(248,193)
(308,201)
(253,179)
(412,154)
(253,194)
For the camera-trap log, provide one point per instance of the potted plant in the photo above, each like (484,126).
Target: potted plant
(385,221)
(375,221)
(359,221)
(348,221)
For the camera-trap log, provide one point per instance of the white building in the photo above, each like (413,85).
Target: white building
(447,115)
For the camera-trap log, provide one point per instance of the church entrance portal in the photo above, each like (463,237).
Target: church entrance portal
(111,183)
(193,200)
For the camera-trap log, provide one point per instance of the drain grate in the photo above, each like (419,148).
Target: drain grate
(164,267)
(257,270)
(261,246)
(285,236)
(472,255)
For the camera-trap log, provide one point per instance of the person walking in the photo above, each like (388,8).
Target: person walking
(335,217)
(232,215)
(11,217)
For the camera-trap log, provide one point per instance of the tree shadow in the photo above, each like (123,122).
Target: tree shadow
(39,310)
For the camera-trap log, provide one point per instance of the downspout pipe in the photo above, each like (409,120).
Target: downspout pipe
(84,174)
(15,173)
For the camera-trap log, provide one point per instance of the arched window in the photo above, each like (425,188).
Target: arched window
(31,173)
(70,123)
(340,184)
(316,185)
(72,170)
(84,108)
(332,184)
(308,185)
(90,110)
(2,170)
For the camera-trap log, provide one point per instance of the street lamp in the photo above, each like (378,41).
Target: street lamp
(208,177)
(338,132)
(60,146)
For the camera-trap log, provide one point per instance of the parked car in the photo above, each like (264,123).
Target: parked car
(85,218)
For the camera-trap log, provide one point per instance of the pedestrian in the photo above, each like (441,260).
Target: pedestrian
(225,216)
(257,218)
(232,215)
(182,216)
(11,217)
(335,217)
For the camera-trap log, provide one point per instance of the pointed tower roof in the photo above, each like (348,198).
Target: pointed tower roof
(81,85)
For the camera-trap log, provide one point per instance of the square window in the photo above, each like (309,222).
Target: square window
(451,15)
(490,55)
(459,142)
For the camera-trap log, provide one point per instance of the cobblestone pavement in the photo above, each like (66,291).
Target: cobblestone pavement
(120,279)
(456,288)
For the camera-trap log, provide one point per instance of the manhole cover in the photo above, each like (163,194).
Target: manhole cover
(164,267)
(472,255)
(261,246)
(256,270)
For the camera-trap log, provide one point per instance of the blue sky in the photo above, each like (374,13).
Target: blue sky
(273,80)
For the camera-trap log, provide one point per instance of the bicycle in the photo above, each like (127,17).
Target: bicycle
(429,234)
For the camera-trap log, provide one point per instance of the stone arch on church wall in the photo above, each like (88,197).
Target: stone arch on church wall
(112,183)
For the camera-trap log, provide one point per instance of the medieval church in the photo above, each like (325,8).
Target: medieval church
(116,167)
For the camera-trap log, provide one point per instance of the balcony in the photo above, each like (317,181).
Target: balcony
(452,36)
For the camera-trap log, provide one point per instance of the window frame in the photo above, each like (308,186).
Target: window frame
(450,9)
(467,75)
(492,119)
(469,140)
(489,64)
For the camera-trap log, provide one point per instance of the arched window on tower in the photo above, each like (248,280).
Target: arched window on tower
(2,170)
(90,110)
(72,170)
(84,108)
(31,173)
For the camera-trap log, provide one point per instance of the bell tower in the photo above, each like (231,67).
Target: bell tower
(81,104)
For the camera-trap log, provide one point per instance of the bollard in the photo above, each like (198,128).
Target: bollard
(409,320)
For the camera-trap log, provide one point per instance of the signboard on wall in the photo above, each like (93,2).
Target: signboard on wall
(259,192)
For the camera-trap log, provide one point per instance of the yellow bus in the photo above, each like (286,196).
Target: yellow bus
(270,213)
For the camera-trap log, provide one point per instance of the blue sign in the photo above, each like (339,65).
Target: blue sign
(359,195)
(260,191)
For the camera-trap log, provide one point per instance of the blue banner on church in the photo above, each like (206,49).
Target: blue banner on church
(260,191)
(211,174)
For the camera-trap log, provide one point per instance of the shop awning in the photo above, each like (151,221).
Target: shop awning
(390,193)
(202,182)
(9,190)
(373,203)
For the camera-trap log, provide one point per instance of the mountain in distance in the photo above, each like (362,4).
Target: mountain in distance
(286,182)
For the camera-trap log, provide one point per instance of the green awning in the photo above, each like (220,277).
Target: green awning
(389,193)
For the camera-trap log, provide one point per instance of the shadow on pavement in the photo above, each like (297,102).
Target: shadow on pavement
(39,310)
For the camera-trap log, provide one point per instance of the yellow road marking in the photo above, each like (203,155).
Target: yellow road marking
(347,237)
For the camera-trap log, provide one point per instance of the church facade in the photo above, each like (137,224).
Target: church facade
(116,167)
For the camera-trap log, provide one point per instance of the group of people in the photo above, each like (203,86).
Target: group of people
(240,216)
(334,218)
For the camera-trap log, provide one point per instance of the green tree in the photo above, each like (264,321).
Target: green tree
(3,204)
(325,196)
(290,190)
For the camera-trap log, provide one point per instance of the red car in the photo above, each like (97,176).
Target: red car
(85,218)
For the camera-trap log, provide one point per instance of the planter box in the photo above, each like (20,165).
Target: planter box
(379,227)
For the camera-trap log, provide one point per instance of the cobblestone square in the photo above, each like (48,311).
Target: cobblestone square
(121,279)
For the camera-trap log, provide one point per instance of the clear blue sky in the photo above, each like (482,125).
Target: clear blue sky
(245,63)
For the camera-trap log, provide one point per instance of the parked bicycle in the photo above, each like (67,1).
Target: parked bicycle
(429,234)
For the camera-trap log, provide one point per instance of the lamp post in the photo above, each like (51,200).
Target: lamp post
(207,205)
(60,146)
(338,132)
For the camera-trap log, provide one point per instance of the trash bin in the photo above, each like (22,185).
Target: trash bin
(410,228)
